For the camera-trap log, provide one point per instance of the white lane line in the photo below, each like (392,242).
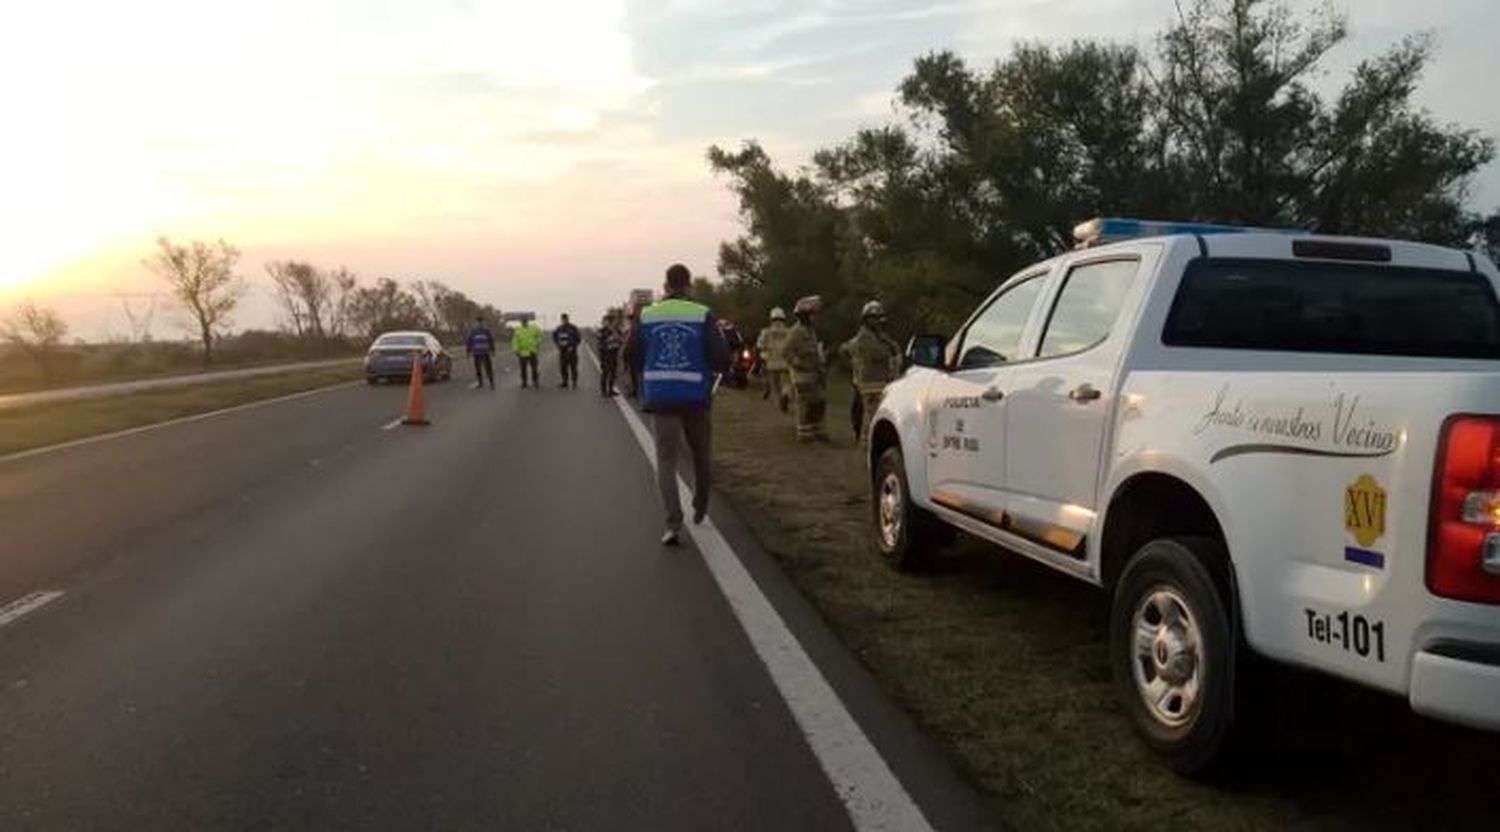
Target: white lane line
(27,604)
(196,417)
(392,424)
(869,790)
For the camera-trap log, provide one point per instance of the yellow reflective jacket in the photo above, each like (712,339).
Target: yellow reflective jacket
(526,341)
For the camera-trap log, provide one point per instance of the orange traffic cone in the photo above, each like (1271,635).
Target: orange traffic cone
(416,414)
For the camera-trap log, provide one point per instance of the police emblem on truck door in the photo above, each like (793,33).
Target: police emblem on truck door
(1364,519)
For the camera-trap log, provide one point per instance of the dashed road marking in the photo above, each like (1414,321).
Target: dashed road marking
(392,424)
(27,604)
(864,782)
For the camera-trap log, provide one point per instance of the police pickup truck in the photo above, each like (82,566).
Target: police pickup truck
(1260,440)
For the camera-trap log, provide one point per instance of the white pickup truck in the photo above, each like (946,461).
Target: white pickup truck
(1281,442)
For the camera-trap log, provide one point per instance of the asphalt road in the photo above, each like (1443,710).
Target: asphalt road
(288,617)
(120,388)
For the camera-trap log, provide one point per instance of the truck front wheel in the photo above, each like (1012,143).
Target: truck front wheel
(904,532)
(1173,651)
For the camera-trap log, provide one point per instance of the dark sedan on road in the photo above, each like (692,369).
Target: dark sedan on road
(390,357)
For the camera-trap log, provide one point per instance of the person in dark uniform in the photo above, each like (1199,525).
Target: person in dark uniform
(611,340)
(567,339)
(480,345)
(630,355)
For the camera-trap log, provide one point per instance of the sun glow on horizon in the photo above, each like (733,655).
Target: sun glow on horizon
(292,121)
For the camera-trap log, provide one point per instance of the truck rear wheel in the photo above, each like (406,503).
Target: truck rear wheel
(1173,652)
(905,533)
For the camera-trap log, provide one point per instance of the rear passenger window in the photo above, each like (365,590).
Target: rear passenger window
(1087,307)
(1346,308)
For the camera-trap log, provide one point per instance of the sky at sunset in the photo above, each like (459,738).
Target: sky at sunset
(537,155)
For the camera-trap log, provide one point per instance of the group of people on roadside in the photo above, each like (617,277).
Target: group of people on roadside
(526,343)
(796,365)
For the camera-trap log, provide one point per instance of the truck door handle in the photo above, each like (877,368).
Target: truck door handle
(1084,393)
(992,395)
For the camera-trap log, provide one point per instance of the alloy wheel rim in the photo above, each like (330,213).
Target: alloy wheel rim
(1167,657)
(890,508)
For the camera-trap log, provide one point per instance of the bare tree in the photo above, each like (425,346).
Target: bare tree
(307,296)
(202,280)
(342,285)
(36,331)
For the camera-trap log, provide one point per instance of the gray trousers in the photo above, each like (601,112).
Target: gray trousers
(671,428)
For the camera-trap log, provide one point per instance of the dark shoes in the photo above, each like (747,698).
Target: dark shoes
(670,538)
(698,515)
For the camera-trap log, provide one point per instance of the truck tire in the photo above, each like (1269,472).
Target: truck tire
(905,534)
(1174,653)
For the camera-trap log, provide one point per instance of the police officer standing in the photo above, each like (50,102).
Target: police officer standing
(526,343)
(769,345)
(681,353)
(875,360)
(567,339)
(611,340)
(804,358)
(480,344)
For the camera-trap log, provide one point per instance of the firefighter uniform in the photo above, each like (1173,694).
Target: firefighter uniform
(804,358)
(875,361)
(773,364)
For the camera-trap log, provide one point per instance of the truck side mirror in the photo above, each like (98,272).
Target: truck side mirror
(926,351)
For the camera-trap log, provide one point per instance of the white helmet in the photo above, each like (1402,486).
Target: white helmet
(873,309)
(778,314)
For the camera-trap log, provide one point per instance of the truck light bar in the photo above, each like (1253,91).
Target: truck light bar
(1105,230)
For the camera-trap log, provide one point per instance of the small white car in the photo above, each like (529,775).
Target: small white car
(1257,440)
(392,354)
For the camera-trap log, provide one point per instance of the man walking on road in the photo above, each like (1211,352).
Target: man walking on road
(682,352)
(526,343)
(567,339)
(611,340)
(480,345)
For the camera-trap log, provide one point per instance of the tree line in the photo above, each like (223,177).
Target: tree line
(325,309)
(988,169)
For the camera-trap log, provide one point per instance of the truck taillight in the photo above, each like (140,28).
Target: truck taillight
(1463,548)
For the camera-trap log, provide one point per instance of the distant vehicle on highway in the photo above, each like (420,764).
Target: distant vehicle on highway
(390,357)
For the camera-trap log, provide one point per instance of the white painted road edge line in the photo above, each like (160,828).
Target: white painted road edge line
(27,604)
(869,790)
(182,420)
(392,424)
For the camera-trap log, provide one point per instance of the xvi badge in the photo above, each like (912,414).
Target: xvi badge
(1364,520)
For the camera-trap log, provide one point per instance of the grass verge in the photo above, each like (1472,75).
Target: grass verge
(1004,662)
(40,425)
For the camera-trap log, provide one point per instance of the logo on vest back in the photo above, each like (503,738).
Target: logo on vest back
(672,347)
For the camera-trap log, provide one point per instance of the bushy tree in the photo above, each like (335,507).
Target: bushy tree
(990,169)
(383,307)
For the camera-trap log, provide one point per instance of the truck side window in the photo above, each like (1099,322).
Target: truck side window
(1344,308)
(995,336)
(1087,307)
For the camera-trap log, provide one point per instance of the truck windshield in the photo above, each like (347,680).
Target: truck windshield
(1359,309)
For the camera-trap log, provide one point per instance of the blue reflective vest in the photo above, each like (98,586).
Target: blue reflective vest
(675,372)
